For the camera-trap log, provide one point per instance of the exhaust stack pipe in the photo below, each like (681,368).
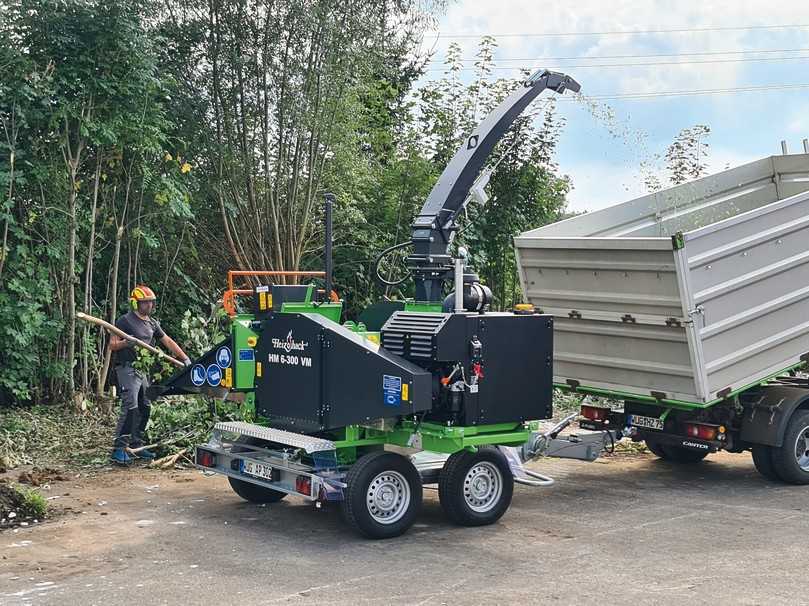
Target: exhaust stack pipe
(327,252)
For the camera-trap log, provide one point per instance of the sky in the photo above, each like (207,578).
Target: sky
(603,155)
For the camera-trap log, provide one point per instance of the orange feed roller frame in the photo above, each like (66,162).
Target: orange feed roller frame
(229,296)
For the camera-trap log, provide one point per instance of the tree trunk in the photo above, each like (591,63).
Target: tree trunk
(71,283)
(88,276)
(119,235)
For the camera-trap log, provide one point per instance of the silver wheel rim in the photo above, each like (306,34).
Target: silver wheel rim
(388,497)
(802,449)
(482,487)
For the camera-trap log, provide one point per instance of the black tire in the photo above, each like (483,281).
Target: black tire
(762,459)
(255,493)
(455,487)
(374,479)
(656,448)
(683,456)
(785,459)
(249,491)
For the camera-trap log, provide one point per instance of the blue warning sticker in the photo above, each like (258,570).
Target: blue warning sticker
(214,375)
(224,357)
(246,355)
(392,390)
(198,375)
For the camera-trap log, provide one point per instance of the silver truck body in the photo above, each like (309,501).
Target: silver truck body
(687,294)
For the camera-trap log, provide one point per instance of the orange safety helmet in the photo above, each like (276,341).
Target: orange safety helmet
(141,293)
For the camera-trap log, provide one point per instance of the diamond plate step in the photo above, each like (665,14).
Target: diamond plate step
(279,436)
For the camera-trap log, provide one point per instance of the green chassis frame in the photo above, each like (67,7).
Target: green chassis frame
(351,440)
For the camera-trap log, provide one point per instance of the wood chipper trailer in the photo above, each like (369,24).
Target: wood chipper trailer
(440,376)
(690,306)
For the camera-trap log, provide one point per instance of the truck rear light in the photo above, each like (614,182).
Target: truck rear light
(205,458)
(595,413)
(303,485)
(703,432)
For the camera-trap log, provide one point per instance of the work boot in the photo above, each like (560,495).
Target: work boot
(145,454)
(119,457)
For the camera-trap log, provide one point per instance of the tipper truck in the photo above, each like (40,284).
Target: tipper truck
(690,307)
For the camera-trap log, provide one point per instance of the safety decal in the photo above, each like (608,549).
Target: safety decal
(392,390)
(198,375)
(224,357)
(214,375)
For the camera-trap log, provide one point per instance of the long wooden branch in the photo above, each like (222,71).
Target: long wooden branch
(117,331)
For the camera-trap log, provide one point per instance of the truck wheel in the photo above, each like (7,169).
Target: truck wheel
(791,461)
(475,488)
(383,496)
(762,459)
(255,493)
(684,456)
(247,490)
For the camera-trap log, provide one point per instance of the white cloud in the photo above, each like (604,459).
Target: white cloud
(599,185)
(471,17)
(799,122)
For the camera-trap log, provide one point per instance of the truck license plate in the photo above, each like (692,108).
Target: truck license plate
(259,470)
(646,422)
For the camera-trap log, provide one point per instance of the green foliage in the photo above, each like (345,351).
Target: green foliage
(184,421)
(200,333)
(28,327)
(143,143)
(34,504)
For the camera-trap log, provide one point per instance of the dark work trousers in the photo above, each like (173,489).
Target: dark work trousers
(135,407)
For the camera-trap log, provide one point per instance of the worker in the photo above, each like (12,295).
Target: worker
(132,383)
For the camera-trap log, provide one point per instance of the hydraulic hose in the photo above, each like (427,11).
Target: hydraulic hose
(383,254)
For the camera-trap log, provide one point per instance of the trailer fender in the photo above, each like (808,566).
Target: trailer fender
(767,413)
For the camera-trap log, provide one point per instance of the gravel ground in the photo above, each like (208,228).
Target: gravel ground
(622,530)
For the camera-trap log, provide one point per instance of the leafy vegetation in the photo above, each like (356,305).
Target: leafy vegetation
(148,143)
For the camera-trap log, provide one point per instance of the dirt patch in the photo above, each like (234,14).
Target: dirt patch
(38,476)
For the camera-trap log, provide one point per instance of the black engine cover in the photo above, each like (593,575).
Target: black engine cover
(516,360)
(317,375)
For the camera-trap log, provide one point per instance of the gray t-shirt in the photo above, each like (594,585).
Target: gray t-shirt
(146,330)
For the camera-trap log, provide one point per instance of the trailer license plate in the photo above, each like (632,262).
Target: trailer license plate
(259,470)
(646,422)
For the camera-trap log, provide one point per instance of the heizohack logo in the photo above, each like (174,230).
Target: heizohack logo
(289,344)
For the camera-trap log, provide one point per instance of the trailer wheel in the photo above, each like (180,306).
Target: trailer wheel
(475,488)
(762,459)
(383,496)
(791,461)
(247,490)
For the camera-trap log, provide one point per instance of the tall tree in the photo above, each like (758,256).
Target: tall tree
(94,128)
